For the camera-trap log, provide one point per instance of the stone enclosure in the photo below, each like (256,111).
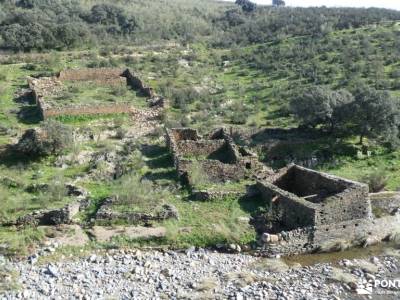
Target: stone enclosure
(216,159)
(46,87)
(307,210)
(315,211)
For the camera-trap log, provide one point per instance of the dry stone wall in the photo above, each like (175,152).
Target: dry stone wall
(105,76)
(334,199)
(310,239)
(136,83)
(337,211)
(46,86)
(89,110)
(385,203)
(218,157)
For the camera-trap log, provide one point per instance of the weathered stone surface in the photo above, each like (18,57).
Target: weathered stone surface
(385,202)
(218,156)
(105,213)
(50,217)
(319,210)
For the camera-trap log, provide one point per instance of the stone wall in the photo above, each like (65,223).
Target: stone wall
(217,155)
(334,199)
(220,159)
(385,203)
(199,147)
(298,241)
(89,110)
(338,214)
(105,76)
(179,134)
(46,86)
(59,216)
(106,213)
(359,232)
(137,84)
(295,211)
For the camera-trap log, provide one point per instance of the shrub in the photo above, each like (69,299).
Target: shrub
(57,136)
(121,133)
(118,91)
(376,180)
(52,138)
(139,195)
(198,176)
(340,276)
(272,265)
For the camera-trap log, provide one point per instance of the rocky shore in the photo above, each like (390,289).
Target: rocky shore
(197,274)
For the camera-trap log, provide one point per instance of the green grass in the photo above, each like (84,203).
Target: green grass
(92,93)
(80,120)
(356,169)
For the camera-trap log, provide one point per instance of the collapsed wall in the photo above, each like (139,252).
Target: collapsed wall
(219,159)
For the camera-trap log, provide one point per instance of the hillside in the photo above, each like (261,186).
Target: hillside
(318,87)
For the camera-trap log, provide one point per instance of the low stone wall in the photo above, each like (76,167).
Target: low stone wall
(43,87)
(179,134)
(298,241)
(220,172)
(223,160)
(199,148)
(89,110)
(333,199)
(357,231)
(137,84)
(106,214)
(50,217)
(216,195)
(106,76)
(310,239)
(385,202)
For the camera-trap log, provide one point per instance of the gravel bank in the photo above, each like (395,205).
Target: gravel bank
(196,274)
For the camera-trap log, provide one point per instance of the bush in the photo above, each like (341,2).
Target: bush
(198,176)
(139,195)
(57,136)
(52,138)
(376,180)
(118,91)
(56,191)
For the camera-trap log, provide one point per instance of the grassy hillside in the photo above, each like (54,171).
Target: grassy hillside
(219,67)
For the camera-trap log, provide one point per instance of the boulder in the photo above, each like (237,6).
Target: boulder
(168,211)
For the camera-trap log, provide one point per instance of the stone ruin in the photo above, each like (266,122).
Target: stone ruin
(106,214)
(314,210)
(218,157)
(307,210)
(44,87)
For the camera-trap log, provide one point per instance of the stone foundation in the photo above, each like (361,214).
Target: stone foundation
(107,215)
(217,156)
(46,86)
(50,217)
